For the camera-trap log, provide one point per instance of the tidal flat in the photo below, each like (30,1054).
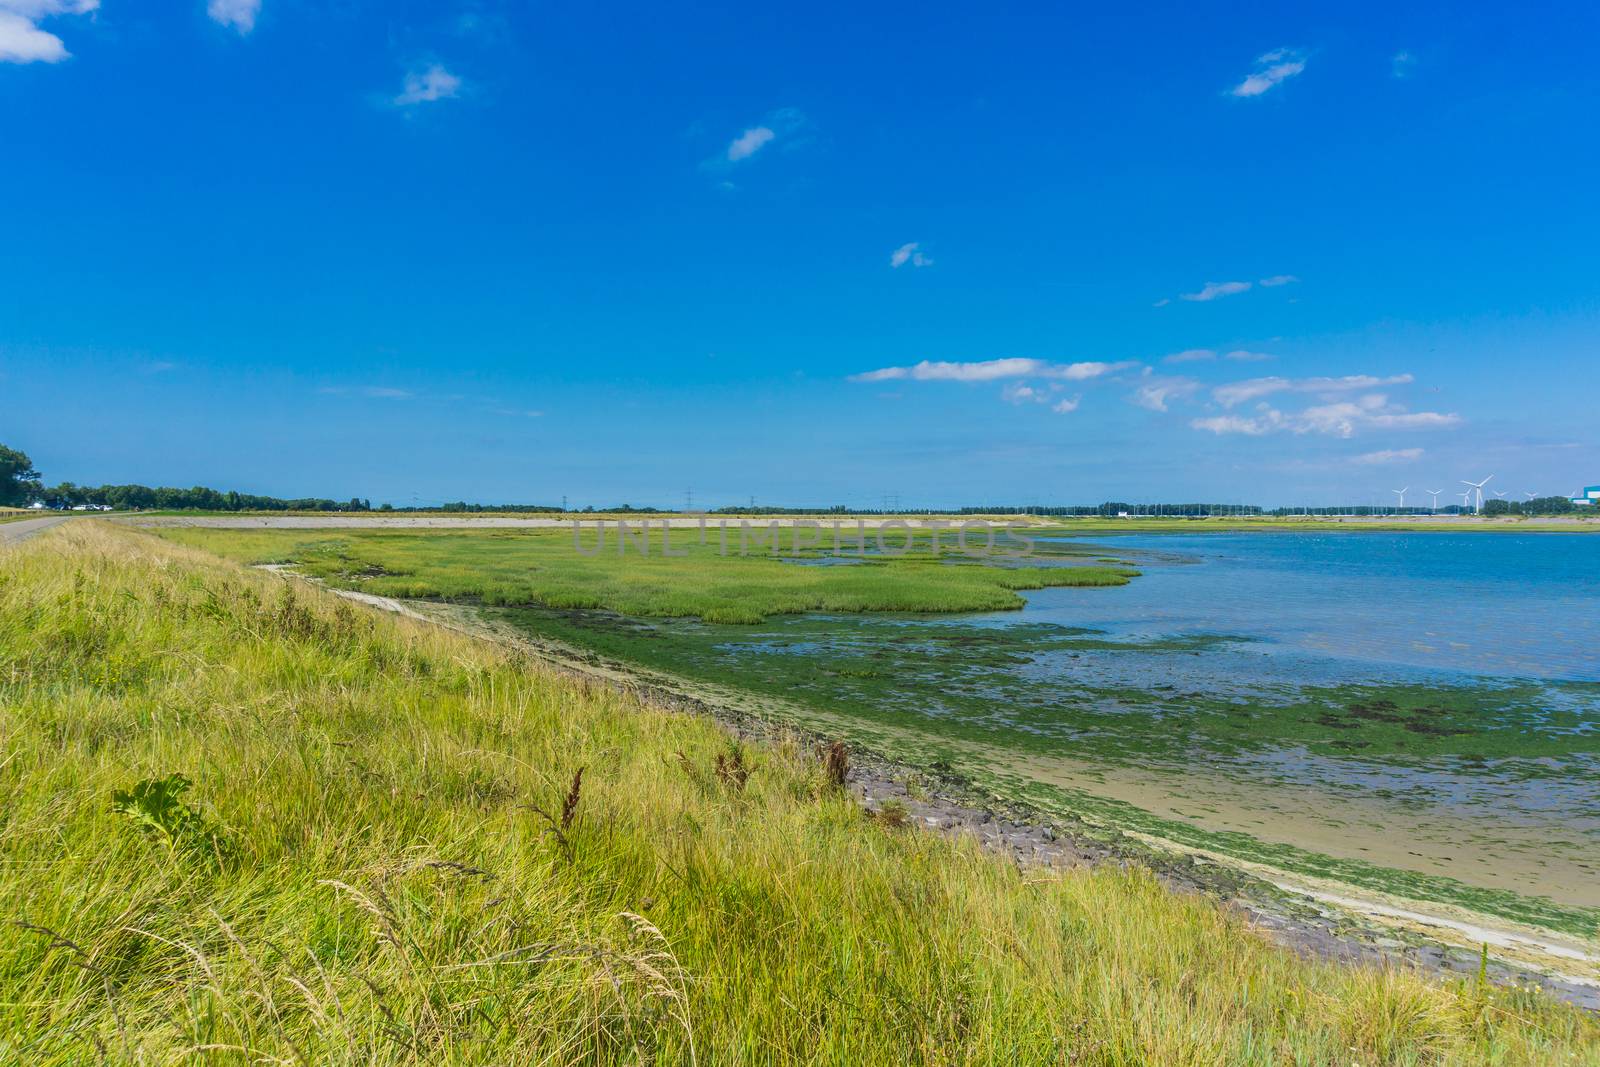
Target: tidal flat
(1418,719)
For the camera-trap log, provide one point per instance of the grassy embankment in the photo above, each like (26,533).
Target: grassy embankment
(543,567)
(383,859)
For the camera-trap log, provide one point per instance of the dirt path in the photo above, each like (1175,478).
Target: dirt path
(12,532)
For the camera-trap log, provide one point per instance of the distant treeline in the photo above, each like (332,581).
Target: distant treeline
(20,485)
(461,505)
(199,498)
(165,498)
(1539,505)
(1113,508)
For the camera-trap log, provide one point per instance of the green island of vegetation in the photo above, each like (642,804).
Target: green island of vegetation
(549,567)
(248,823)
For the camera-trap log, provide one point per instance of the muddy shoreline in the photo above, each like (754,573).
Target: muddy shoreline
(937,800)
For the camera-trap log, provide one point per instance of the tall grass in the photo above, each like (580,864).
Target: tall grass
(387,855)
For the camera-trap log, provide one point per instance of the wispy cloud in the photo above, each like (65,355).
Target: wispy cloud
(1216,290)
(158,366)
(909,253)
(21,38)
(1401,64)
(1236,393)
(1156,392)
(240,14)
(375,392)
(784,124)
(426,85)
(1387,456)
(749,143)
(1240,355)
(1050,394)
(1191,355)
(1225,424)
(1272,69)
(1341,418)
(993,370)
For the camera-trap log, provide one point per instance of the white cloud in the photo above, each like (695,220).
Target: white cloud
(1344,418)
(1213,290)
(1335,414)
(1240,355)
(1221,424)
(1078,372)
(1387,455)
(1401,63)
(427,85)
(1191,355)
(240,14)
(1216,290)
(1272,69)
(377,392)
(749,143)
(1236,393)
(1163,302)
(1154,393)
(1020,393)
(21,39)
(993,370)
(909,253)
(786,126)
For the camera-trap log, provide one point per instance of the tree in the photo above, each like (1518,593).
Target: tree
(18,480)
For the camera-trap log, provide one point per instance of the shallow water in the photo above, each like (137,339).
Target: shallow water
(1492,605)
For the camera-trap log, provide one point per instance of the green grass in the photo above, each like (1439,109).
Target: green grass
(544,567)
(373,865)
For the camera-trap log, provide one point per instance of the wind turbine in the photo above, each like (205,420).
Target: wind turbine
(1478,486)
(1530,496)
(1499,493)
(1466,498)
(1435,494)
(1402,493)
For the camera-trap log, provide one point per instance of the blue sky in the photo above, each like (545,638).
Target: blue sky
(808,253)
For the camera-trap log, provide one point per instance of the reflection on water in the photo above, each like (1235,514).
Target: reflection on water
(1494,605)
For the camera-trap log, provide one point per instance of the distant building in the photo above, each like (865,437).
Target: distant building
(1590,496)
